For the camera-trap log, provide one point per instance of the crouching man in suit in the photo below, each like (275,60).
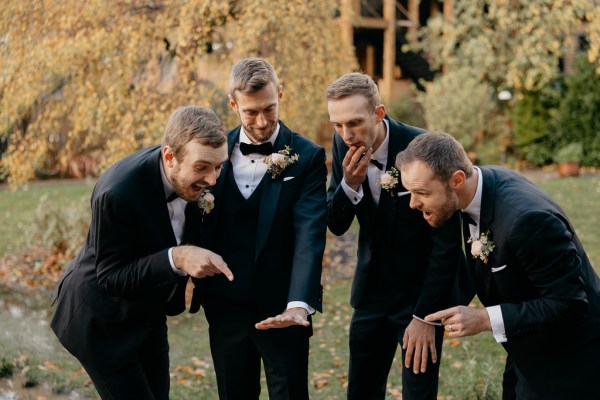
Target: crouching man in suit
(526,264)
(113,299)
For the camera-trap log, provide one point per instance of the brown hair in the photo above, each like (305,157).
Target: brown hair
(193,123)
(251,75)
(354,83)
(443,154)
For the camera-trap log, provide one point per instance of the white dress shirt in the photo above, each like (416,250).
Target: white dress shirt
(176,214)
(373,173)
(250,169)
(474,211)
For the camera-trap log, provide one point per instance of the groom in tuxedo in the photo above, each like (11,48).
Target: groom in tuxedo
(269,226)
(113,299)
(391,294)
(526,264)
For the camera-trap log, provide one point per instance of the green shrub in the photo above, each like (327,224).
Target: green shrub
(459,103)
(62,227)
(530,115)
(578,118)
(572,152)
(6,368)
(408,111)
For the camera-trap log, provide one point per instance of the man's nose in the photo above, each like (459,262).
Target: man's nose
(211,177)
(347,134)
(261,120)
(414,203)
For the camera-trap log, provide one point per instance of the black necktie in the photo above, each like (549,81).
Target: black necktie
(264,148)
(377,164)
(172,197)
(467,218)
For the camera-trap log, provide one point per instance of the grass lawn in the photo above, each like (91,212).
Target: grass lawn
(471,367)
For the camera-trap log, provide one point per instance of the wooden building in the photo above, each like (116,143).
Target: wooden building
(378,29)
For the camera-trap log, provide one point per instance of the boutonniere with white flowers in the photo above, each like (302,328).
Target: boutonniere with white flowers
(389,180)
(482,247)
(279,161)
(206,201)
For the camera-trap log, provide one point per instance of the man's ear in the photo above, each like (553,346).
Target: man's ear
(280,93)
(232,103)
(168,156)
(380,112)
(458,180)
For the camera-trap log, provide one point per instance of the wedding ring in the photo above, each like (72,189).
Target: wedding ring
(450,327)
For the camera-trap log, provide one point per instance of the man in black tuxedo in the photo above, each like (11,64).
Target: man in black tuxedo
(113,299)
(391,294)
(527,265)
(269,226)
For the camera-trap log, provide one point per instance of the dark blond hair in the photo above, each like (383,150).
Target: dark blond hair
(443,154)
(251,75)
(354,83)
(193,123)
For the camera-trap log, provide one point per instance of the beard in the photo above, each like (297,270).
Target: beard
(260,135)
(190,192)
(446,210)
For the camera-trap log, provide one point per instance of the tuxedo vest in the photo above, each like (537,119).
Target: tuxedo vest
(236,240)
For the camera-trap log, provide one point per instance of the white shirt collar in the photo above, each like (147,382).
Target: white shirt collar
(245,139)
(474,208)
(381,154)
(166,184)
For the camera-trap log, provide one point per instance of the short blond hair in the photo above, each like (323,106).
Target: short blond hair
(354,83)
(251,75)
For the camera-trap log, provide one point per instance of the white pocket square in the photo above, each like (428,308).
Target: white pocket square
(288,178)
(498,269)
(403,193)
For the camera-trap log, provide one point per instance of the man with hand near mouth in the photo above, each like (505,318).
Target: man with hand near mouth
(131,273)
(404,269)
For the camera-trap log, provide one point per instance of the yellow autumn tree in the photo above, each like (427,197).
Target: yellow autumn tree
(84,83)
(513,44)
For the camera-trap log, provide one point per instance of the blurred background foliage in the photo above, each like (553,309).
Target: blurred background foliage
(82,84)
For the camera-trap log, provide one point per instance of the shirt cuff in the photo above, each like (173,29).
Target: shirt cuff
(427,322)
(301,304)
(175,269)
(498,330)
(354,196)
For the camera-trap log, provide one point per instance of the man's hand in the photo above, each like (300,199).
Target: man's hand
(199,263)
(290,317)
(355,166)
(419,342)
(462,321)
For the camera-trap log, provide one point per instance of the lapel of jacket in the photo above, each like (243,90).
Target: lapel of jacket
(386,208)
(271,191)
(208,223)
(157,191)
(486,218)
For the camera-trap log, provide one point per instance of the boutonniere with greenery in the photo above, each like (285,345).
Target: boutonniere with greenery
(482,247)
(206,201)
(389,180)
(279,161)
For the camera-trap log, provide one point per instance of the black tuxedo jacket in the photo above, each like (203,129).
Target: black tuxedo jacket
(395,236)
(541,277)
(290,233)
(121,280)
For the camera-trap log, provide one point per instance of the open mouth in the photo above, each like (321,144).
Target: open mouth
(427,215)
(197,187)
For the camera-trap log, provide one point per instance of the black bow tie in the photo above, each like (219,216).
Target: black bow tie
(377,164)
(467,218)
(172,197)
(264,148)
